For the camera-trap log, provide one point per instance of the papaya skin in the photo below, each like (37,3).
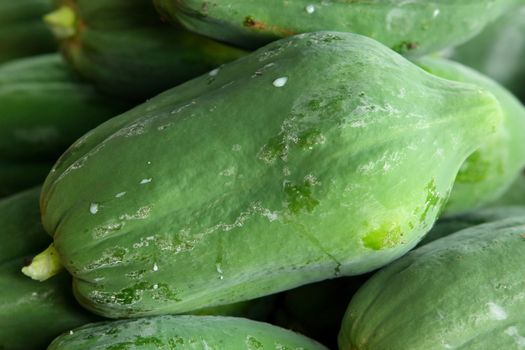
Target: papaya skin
(22,32)
(125,50)
(418,301)
(492,169)
(188,332)
(409,27)
(259,177)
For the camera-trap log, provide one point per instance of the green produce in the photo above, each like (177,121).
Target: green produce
(21,231)
(260,177)
(31,313)
(125,49)
(44,107)
(185,332)
(488,172)
(451,224)
(17,176)
(413,27)
(22,32)
(464,291)
(498,52)
(515,195)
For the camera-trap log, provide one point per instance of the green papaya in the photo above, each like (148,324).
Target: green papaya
(413,27)
(515,195)
(320,155)
(125,49)
(185,332)
(489,171)
(17,176)
(498,51)
(31,313)
(44,107)
(448,225)
(22,32)
(464,291)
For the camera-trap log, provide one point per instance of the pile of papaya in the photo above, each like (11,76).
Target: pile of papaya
(227,174)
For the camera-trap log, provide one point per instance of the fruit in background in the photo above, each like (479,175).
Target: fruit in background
(464,291)
(22,32)
(31,313)
(195,332)
(125,49)
(413,27)
(260,177)
(498,51)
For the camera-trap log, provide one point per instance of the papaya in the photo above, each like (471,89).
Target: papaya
(492,169)
(260,177)
(31,313)
(22,32)
(498,51)
(125,49)
(514,196)
(413,27)
(45,106)
(448,225)
(185,332)
(18,176)
(463,291)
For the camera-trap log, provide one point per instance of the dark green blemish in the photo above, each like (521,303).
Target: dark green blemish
(328,38)
(139,341)
(253,344)
(132,294)
(477,169)
(384,237)
(273,150)
(405,46)
(300,197)
(249,21)
(310,138)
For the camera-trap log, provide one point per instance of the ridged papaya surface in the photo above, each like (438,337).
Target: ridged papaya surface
(184,332)
(22,31)
(498,51)
(464,291)
(414,27)
(125,49)
(451,224)
(320,155)
(31,313)
(488,172)
(44,107)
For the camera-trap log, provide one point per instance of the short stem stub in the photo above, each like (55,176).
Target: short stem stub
(45,265)
(62,22)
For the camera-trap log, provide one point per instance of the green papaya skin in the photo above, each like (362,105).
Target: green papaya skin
(409,27)
(464,291)
(186,332)
(260,177)
(514,196)
(18,176)
(22,32)
(448,225)
(21,237)
(488,172)
(31,313)
(498,51)
(45,106)
(125,49)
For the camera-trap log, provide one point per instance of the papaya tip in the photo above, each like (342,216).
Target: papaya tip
(62,22)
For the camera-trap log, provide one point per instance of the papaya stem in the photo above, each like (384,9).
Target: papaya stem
(45,265)
(62,22)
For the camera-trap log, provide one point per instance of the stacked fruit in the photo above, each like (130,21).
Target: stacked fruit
(298,142)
